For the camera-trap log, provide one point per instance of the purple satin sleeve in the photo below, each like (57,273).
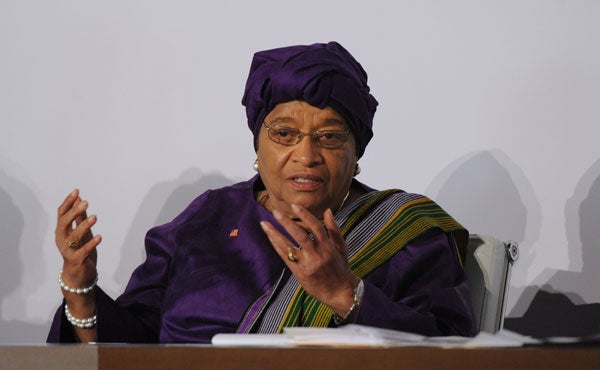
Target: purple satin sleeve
(115,323)
(204,270)
(422,289)
(135,316)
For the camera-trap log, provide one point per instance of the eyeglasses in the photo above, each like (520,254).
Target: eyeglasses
(329,139)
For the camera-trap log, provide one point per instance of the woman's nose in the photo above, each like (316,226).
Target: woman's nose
(308,151)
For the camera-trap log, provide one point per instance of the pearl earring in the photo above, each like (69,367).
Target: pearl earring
(356,169)
(255,165)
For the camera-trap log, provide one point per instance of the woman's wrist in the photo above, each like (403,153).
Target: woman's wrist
(80,301)
(87,322)
(76,290)
(350,315)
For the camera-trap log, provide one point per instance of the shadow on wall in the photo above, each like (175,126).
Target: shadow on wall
(489,194)
(15,196)
(560,304)
(174,196)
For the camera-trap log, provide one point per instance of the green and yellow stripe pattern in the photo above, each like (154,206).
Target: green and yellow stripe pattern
(413,217)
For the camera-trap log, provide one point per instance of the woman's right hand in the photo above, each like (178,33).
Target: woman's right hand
(77,246)
(75,241)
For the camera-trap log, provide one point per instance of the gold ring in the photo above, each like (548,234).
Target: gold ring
(72,244)
(291,256)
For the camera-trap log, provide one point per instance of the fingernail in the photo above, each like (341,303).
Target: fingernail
(92,218)
(73,192)
(263,224)
(278,215)
(83,204)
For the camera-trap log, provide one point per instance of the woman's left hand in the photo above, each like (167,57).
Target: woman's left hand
(320,264)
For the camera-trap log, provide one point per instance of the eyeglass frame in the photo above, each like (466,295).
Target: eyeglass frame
(313,134)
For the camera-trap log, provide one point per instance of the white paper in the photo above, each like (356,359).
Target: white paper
(251,340)
(365,336)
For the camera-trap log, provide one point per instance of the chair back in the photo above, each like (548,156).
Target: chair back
(487,266)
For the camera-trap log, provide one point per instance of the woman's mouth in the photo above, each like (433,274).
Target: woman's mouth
(305,183)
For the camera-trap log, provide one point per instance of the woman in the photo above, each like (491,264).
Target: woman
(300,244)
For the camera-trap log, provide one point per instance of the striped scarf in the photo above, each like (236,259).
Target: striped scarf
(375,227)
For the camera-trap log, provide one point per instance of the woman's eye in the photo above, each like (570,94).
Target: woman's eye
(283,132)
(332,136)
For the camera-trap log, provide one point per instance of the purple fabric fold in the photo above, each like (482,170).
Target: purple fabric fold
(206,269)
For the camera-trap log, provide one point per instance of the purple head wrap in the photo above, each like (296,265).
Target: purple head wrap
(319,74)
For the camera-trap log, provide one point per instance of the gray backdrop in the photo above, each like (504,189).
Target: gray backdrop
(489,107)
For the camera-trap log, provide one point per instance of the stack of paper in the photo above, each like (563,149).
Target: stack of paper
(361,336)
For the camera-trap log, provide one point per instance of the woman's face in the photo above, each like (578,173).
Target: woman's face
(305,174)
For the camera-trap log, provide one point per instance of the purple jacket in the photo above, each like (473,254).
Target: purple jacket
(207,266)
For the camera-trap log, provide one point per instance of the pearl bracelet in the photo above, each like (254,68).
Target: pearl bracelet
(88,323)
(76,290)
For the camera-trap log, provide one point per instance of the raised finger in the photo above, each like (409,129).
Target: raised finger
(77,211)
(314,224)
(334,232)
(296,232)
(82,219)
(280,243)
(82,232)
(64,225)
(66,206)
(90,246)
(68,202)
